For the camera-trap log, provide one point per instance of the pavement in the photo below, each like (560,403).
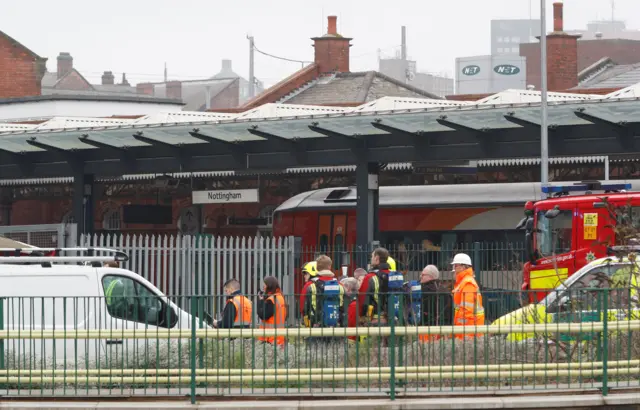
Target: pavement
(583,401)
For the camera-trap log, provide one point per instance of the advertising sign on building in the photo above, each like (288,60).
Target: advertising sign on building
(231,196)
(490,74)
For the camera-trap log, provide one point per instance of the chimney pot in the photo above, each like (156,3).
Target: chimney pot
(108,78)
(558,19)
(65,64)
(333,25)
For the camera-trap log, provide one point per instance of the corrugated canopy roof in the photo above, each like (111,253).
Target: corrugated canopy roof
(316,136)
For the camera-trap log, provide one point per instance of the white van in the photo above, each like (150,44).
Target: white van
(50,296)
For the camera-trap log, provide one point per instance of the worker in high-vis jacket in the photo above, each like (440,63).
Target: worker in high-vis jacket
(118,305)
(310,274)
(467,300)
(238,310)
(271,308)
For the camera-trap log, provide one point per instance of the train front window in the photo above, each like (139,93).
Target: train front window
(553,236)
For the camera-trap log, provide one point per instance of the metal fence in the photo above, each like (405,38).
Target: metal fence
(200,265)
(497,265)
(83,346)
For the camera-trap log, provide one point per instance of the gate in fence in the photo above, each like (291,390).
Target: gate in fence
(201,264)
(44,236)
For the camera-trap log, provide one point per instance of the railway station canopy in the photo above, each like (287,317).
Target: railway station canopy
(282,136)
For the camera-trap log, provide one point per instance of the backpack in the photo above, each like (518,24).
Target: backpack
(328,294)
(393,284)
(415,296)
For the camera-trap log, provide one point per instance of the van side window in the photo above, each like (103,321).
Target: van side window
(128,299)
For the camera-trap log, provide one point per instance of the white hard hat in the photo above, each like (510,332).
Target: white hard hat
(461,259)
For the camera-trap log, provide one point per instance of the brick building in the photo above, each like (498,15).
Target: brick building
(21,70)
(568,55)
(327,81)
(66,80)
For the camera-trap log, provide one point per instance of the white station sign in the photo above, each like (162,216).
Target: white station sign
(232,196)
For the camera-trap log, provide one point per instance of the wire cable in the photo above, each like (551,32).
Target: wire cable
(280,58)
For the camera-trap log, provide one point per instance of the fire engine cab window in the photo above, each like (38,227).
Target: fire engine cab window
(554,235)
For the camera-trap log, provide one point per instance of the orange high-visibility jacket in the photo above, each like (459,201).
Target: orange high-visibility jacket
(277,321)
(244,310)
(467,302)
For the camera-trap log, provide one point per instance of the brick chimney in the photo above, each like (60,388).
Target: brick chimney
(332,50)
(108,78)
(174,90)
(562,54)
(144,88)
(65,64)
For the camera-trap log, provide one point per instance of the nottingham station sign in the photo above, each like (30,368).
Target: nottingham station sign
(231,196)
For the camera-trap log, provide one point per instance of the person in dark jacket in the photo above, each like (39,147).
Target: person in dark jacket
(437,303)
(237,310)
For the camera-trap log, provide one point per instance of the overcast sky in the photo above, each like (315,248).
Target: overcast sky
(192,36)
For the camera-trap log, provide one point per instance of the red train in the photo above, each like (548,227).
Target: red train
(423,218)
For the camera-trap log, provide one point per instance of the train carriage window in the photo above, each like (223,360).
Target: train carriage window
(338,248)
(323,244)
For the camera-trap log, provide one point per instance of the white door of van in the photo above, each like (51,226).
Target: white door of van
(131,306)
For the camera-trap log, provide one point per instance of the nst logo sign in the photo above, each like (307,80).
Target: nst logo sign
(471,70)
(506,69)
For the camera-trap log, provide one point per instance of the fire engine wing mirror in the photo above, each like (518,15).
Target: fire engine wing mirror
(552,213)
(522,223)
(528,247)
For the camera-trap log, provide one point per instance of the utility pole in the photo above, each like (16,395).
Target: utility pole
(544,136)
(403,54)
(165,72)
(252,80)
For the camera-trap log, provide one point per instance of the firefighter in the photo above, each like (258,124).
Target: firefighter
(369,298)
(272,310)
(238,311)
(313,304)
(310,274)
(467,300)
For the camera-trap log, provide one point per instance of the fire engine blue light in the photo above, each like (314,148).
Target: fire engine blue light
(584,187)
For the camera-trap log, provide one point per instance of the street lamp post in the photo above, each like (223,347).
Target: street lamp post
(544,136)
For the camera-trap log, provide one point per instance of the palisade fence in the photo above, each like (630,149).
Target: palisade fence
(200,265)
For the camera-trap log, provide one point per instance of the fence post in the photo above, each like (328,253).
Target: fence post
(477,262)
(194,344)
(392,347)
(605,342)
(2,353)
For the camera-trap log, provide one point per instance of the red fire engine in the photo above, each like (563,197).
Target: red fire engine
(565,232)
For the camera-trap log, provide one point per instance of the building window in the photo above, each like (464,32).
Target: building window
(515,50)
(499,39)
(515,40)
(500,50)
(111,220)
(267,213)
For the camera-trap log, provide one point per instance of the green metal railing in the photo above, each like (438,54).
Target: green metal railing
(82,346)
